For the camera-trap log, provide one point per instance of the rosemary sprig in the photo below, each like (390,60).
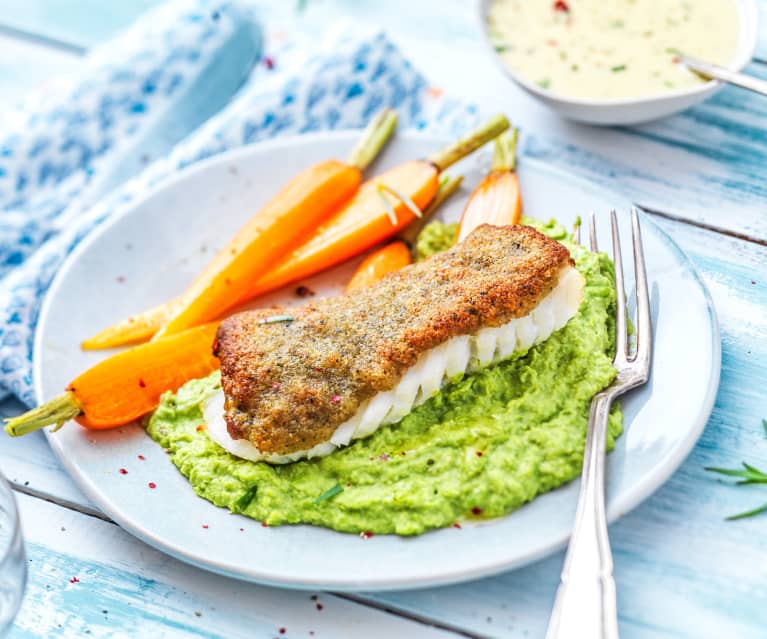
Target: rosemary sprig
(747,475)
(748,513)
(276,319)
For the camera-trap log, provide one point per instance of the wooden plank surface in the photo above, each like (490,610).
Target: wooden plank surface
(141,592)
(761,47)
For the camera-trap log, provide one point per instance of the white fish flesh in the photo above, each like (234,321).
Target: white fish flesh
(434,368)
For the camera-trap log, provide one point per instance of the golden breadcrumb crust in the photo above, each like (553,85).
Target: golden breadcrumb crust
(289,385)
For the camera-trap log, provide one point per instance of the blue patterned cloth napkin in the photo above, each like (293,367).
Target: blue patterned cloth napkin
(84,156)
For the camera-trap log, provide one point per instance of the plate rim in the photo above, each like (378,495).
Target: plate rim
(643,489)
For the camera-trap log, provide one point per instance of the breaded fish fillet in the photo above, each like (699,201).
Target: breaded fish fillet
(343,366)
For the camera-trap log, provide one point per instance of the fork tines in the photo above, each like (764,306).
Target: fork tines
(632,369)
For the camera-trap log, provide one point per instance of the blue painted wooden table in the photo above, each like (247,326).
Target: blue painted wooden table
(681,569)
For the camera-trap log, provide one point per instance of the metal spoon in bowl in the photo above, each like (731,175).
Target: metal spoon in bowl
(710,71)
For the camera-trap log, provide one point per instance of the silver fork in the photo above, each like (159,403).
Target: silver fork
(585,606)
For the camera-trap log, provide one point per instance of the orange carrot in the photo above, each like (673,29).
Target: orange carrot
(391,257)
(127,385)
(497,199)
(361,224)
(135,329)
(301,205)
(397,254)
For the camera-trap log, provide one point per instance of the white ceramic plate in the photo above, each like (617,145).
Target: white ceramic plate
(150,253)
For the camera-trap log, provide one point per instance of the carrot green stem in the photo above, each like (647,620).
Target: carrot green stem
(447,186)
(374,138)
(505,152)
(57,411)
(477,138)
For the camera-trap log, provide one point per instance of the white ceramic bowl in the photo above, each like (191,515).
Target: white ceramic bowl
(635,110)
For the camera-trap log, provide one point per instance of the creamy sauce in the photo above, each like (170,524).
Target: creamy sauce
(607,49)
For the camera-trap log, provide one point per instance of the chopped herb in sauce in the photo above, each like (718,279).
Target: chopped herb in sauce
(618,68)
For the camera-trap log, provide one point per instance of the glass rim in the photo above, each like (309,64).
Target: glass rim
(6,552)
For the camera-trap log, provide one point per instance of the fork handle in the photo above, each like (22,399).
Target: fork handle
(585,606)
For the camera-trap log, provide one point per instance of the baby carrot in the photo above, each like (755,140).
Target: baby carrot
(397,254)
(127,385)
(134,329)
(497,199)
(384,206)
(391,257)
